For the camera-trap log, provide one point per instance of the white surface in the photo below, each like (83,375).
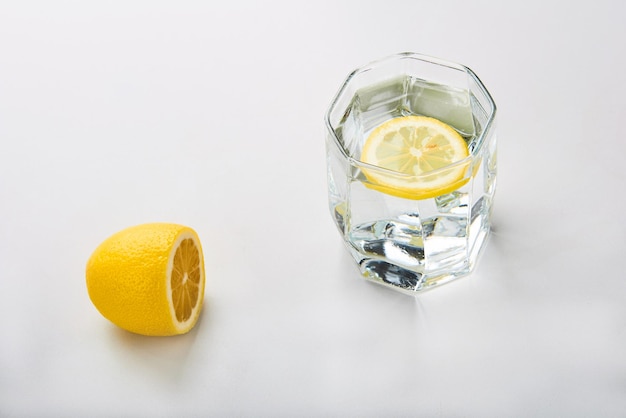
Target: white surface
(117,114)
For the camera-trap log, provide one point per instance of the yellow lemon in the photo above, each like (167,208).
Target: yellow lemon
(418,155)
(149,279)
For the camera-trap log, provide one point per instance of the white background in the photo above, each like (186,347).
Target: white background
(211,115)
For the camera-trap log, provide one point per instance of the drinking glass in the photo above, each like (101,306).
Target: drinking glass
(411,241)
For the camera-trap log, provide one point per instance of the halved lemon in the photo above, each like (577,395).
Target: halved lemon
(418,155)
(149,279)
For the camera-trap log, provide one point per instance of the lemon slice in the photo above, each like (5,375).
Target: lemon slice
(418,154)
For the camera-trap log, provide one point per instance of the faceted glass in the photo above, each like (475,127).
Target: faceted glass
(411,242)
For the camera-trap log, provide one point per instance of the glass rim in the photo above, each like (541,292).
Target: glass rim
(425,58)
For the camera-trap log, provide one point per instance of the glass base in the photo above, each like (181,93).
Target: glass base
(413,281)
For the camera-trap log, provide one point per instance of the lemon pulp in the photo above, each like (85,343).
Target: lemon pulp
(185,280)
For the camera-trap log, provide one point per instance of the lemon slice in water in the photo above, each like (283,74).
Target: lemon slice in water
(418,154)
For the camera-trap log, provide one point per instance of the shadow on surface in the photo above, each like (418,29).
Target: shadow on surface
(165,357)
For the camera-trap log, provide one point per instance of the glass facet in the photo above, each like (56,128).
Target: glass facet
(411,242)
